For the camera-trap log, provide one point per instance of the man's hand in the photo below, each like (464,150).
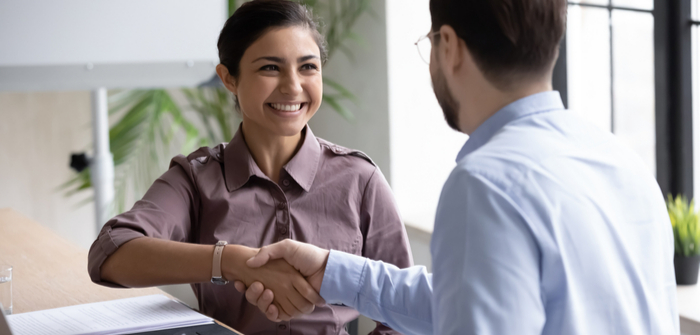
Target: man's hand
(294,295)
(309,260)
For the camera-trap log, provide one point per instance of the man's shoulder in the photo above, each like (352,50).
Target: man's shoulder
(499,167)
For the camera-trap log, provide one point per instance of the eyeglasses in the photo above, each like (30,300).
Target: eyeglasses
(424,44)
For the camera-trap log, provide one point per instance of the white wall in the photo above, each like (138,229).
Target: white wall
(423,147)
(38,132)
(366,77)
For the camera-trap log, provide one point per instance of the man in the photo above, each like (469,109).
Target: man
(547,225)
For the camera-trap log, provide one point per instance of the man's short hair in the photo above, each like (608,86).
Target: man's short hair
(509,39)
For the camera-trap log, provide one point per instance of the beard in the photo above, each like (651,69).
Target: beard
(449,105)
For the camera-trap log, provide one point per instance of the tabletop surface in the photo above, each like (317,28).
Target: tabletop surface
(48,271)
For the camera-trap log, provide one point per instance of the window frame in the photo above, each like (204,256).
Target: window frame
(672,86)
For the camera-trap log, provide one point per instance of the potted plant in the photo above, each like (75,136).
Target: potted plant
(686,237)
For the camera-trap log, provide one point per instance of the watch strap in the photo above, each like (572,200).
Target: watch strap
(216,276)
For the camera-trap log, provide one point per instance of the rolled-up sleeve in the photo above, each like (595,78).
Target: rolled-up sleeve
(384,233)
(168,211)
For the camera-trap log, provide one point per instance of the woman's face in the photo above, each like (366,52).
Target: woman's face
(279,86)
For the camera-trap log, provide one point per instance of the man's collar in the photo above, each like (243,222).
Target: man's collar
(536,103)
(239,164)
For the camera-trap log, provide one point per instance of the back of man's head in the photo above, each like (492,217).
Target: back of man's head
(510,40)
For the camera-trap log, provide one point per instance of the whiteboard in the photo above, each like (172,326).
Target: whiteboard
(86,35)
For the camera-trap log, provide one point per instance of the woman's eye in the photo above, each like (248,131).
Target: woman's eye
(270,68)
(309,67)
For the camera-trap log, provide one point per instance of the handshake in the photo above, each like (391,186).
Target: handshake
(283,279)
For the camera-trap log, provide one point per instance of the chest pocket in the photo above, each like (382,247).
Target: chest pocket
(237,231)
(335,230)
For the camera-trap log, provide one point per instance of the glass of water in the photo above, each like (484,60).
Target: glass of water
(6,288)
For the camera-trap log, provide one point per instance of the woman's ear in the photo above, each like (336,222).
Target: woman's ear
(227,78)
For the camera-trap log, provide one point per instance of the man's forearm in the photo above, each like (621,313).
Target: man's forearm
(399,298)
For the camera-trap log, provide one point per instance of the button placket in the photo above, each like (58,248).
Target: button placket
(283,223)
(283,217)
(284,328)
(282,230)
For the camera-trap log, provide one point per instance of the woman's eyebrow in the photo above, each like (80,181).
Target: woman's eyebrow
(282,60)
(270,58)
(305,58)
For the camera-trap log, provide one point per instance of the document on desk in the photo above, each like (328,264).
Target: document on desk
(123,316)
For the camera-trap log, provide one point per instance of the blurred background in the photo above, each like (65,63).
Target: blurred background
(137,78)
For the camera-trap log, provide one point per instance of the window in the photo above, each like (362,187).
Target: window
(695,58)
(610,69)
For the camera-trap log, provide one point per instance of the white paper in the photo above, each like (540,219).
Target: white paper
(140,314)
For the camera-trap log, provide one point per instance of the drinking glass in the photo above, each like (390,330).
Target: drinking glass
(6,288)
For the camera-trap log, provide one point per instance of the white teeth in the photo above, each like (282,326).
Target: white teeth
(286,108)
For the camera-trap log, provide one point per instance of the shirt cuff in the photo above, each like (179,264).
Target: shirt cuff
(343,278)
(106,244)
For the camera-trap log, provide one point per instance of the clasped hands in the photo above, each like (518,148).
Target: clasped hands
(283,279)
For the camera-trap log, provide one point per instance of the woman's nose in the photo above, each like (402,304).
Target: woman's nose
(291,85)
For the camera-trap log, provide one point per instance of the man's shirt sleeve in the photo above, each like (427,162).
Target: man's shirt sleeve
(399,298)
(485,261)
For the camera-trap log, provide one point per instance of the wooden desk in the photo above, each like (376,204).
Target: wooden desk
(48,271)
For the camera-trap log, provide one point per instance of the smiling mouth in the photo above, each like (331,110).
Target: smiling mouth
(287,107)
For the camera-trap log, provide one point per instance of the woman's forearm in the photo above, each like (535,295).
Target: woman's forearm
(150,261)
(147,261)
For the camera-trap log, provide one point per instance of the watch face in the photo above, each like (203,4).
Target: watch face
(219,281)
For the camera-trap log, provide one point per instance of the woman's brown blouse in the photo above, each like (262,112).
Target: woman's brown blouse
(329,196)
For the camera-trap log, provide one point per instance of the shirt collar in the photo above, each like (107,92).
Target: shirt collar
(239,164)
(536,103)
(304,165)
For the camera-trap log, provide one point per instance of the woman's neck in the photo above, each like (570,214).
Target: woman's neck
(270,152)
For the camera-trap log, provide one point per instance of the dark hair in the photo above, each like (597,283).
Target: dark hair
(255,18)
(509,39)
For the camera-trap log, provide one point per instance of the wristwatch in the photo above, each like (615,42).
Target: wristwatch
(216,277)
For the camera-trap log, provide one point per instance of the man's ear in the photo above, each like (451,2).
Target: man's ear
(227,78)
(450,49)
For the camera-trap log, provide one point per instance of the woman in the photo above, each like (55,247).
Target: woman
(274,180)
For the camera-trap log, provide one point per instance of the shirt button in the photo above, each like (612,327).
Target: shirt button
(285,182)
(282,230)
(282,327)
(281,205)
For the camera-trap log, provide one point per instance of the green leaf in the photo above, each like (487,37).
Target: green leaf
(344,92)
(335,105)
(686,225)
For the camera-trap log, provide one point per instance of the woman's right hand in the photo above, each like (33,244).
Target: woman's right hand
(293,294)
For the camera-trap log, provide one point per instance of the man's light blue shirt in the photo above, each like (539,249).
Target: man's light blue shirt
(547,225)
